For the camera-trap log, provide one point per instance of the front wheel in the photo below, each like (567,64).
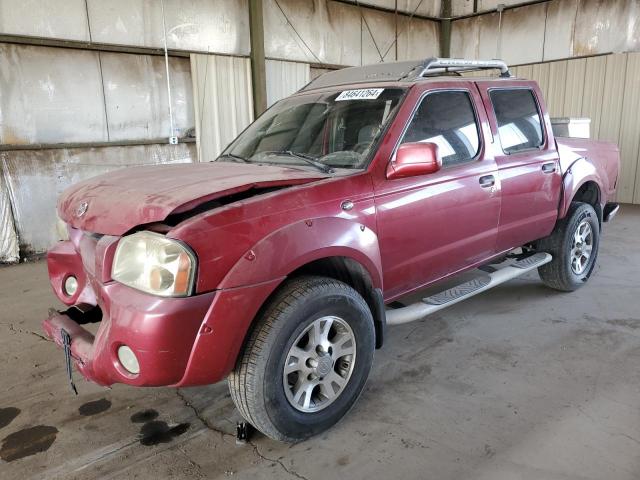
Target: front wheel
(574,245)
(306,360)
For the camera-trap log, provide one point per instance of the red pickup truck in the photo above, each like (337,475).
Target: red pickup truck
(279,263)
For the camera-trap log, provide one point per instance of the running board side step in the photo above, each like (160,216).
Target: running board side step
(481,283)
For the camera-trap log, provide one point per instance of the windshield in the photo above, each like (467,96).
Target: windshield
(321,130)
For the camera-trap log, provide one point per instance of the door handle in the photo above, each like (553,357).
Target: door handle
(487,181)
(549,167)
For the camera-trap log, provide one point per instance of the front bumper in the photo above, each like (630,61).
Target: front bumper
(161,333)
(177,341)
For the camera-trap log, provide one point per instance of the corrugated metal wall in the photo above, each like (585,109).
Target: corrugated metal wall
(220,26)
(322,31)
(607,90)
(548,31)
(89,96)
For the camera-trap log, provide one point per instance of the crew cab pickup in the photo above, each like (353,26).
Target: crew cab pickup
(277,263)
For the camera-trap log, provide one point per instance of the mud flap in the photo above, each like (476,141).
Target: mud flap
(66,345)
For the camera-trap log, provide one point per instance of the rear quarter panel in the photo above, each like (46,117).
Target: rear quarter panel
(584,160)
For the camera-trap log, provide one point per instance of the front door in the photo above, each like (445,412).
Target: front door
(434,225)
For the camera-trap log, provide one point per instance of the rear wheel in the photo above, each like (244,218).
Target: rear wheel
(574,245)
(306,361)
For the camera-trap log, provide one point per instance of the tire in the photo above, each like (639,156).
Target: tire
(296,317)
(564,272)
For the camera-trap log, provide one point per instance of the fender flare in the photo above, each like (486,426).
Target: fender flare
(260,271)
(579,172)
(300,243)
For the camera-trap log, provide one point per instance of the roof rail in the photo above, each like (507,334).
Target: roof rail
(410,70)
(435,65)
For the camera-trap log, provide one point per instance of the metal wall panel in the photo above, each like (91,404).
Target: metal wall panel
(523,26)
(629,136)
(9,251)
(217,26)
(464,38)
(417,39)
(556,88)
(593,92)
(45,18)
(475,37)
(136,97)
(378,32)
(488,35)
(541,72)
(610,26)
(574,89)
(523,71)
(330,31)
(465,7)
(285,78)
(223,101)
(566,28)
(36,178)
(428,8)
(50,95)
(559,29)
(462,7)
(484,5)
(613,94)
(322,31)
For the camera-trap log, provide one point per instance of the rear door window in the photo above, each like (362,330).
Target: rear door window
(519,122)
(447,119)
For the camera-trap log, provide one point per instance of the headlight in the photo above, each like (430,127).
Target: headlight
(154,264)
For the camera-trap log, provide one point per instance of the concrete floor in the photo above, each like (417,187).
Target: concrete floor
(520,382)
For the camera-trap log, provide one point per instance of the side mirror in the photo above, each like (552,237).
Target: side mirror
(414,159)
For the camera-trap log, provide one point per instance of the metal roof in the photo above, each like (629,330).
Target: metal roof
(404,71)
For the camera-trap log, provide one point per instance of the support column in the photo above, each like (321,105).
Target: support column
(445,29)
(258,69)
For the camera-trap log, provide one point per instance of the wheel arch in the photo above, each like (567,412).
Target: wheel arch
(582,183)
(354,274)
(337,248)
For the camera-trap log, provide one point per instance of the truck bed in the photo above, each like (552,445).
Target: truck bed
(604,156)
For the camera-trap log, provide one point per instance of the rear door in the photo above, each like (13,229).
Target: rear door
(527,160)
(433,225)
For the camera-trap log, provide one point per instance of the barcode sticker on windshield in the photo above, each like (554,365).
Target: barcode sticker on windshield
(361,94)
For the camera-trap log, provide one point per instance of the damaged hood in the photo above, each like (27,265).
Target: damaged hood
(114,203)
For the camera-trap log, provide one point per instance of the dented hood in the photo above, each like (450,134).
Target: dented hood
(114,203)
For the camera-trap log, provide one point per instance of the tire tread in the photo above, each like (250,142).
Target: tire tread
(243,380)
(555,274)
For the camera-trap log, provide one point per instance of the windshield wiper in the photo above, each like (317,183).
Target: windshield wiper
(234,156)
(309,159)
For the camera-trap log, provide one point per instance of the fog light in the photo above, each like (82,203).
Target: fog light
(128,360)
(70,286)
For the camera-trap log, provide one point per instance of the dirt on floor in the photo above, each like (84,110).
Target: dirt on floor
(519,382)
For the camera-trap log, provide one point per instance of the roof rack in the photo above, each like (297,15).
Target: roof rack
(406,70)
(437,65)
